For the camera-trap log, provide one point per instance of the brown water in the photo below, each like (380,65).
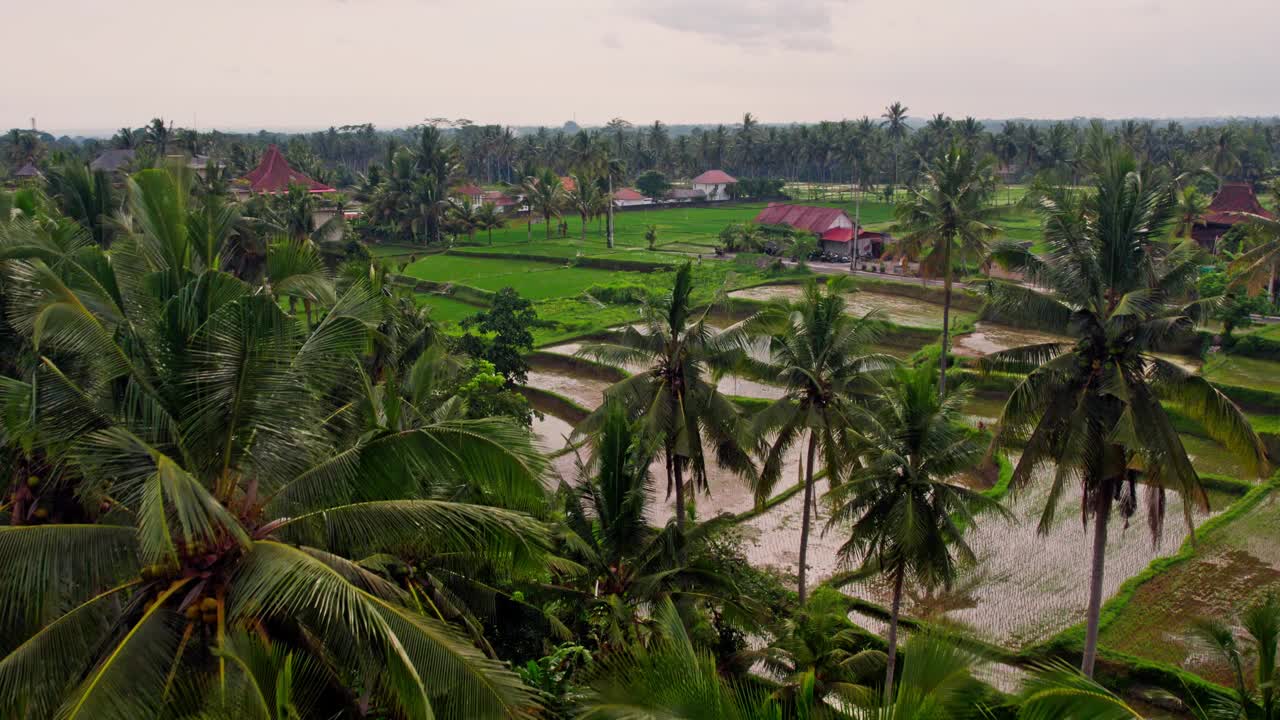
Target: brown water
(896,308)
(988,338)
(551,432)
(587,392)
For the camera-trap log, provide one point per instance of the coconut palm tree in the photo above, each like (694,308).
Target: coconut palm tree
(586,199)
(1192,205)
(158,135)
(489,219)
(545,194)
(210,483)
(902,509)
(953,211)
(87,197)
(895,126)
(463,214)
(820,648)
(1093,407)
(820,355)
(676,395)
(630,564)
(1257,266)
(1057,691)
(1249,701)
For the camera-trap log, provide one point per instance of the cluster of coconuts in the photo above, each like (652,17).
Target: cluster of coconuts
(33,482)
(206,610)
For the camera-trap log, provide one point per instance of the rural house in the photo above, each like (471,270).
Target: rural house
(714,184)
(833,227)
(1225,212)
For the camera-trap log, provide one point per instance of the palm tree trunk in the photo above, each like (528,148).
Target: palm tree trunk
(1271,283)
(946,316)
(1101,515)
(678,480)
(899,576)
(610,221)
(805,519)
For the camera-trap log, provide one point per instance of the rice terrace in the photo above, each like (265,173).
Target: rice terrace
(843,408)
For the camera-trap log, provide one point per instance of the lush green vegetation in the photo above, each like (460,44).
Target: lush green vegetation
(259,470)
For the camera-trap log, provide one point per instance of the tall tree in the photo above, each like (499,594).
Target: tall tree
(208,487)
(904,513)
(895,125)
(1093,407)
(952,211)
(676,396)
(820,355)
(545,194)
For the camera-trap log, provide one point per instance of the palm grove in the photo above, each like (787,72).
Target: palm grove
(251,478)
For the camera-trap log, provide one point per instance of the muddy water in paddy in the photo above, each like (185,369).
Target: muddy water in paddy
(988,338)
(896,308)
(551,432)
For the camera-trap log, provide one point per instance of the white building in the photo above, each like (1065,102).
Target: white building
(626,197)
(714,184)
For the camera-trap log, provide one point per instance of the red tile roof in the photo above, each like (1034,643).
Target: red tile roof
(1232,199)
(568,183)
(497,197)
(627,194)
(838,234)
(273,175)
(469,190)
(715,177)
(801,217)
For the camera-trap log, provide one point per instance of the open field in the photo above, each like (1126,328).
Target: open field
(1235,563)
(532,279)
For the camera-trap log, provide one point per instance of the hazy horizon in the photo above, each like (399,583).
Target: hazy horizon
(293,65)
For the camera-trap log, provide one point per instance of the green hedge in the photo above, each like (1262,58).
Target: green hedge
(1253,345)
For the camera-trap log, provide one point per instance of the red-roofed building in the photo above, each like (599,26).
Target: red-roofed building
(627,197)
(498,198)
(715,184)
(1226,210)
(568,183)
(474,193)
(833,227)
(274,176)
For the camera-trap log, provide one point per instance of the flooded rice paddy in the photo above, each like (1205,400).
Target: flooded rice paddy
(1026,587)
(897,309)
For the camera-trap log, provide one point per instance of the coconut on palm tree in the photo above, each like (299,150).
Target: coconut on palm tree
(820,355)
(1093,407)
(953,212)
(902,507)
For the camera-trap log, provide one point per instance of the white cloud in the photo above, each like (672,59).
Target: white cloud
(792,25)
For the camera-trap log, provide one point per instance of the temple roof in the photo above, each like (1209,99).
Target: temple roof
(273,175)
(1232,200)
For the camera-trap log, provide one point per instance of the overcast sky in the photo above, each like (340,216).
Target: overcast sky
(82,64)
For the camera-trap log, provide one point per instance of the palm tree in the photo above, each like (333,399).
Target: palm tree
(1262,259)
(1192,205)
(819,354)
(488,218)
(904,514)
(629,564)
(819,647)
(209,485)
(953,209)
(1093,407)
(158,134)
(676,395)
(1057,691)
(1261,622)
(87,197)
(586,198)
(464,215)
(895,125)
(545,194)
(671,678)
